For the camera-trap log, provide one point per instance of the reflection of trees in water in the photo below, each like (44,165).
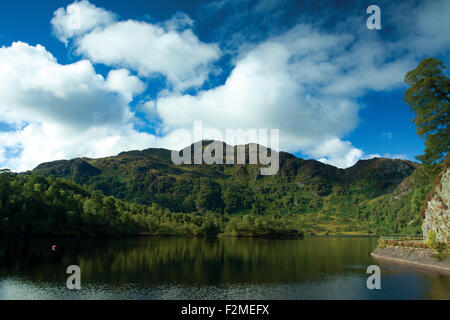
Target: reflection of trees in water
(440,288)
(186,260)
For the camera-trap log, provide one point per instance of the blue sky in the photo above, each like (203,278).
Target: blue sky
(96,78)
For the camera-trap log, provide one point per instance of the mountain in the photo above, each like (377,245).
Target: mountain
(326,197)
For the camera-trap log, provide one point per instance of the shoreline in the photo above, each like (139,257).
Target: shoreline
(220,235)
(417,257)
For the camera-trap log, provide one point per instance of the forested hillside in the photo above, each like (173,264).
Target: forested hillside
(32,205)
(399,211)
(376,195)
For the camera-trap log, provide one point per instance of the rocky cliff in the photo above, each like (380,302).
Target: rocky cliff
(436,211)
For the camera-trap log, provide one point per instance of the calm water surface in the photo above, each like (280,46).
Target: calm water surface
(185,268)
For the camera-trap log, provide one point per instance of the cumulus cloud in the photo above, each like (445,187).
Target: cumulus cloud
(78,18)
(305,81)
(387,155)
(122,81)
(279,84)
(35,87)
(41,142)
(170,48)
(63,111)
(148,49)
(179,21)
(336,152)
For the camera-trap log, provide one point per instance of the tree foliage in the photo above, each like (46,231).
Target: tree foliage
(428,97)
(33,205)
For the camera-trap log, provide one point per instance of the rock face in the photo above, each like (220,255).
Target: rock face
(437,206)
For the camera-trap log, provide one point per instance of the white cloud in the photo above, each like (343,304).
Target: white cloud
(35,88)
(63,111)
(121,81)
(387,155)
(170,48)
(41,142)
(429,29)
(337,153)
(179,21)
(78,18)
(149,49)
(305,82)
(264,91)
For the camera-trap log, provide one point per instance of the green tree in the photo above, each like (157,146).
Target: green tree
(432,241)
(210,228)
(209,195)
(428,96)
(258,208)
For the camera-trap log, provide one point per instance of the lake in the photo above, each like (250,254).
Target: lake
(225,268)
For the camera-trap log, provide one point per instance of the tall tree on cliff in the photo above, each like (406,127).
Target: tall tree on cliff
(429,98)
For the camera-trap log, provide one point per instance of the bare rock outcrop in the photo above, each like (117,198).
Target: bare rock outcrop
(436,211)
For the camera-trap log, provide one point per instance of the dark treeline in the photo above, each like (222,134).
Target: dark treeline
(33,205)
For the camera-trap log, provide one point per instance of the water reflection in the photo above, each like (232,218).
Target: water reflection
(174,268)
